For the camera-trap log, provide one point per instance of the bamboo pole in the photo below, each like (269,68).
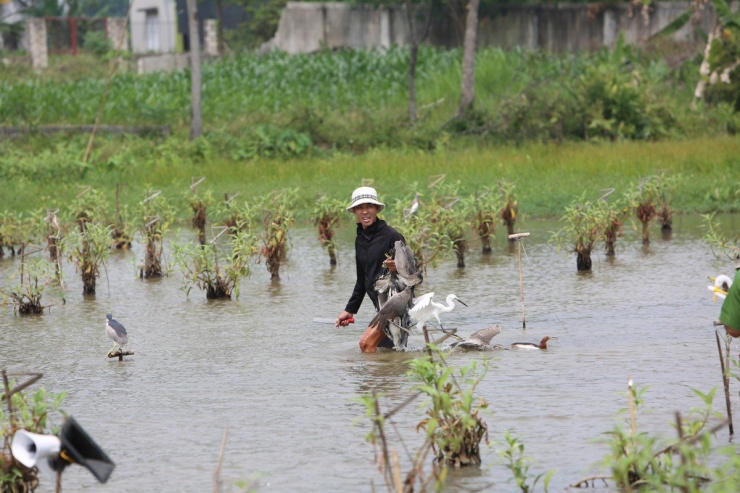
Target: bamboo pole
(725,380)
(518,237)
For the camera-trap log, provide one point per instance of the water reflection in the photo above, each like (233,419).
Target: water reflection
(286,386)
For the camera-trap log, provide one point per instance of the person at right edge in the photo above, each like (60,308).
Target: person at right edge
(375,240)
(730,313)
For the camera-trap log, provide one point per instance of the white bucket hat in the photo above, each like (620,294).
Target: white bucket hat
(365,195)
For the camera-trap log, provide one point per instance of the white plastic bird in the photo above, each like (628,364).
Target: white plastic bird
(424,309)
(414,207)
(722,284)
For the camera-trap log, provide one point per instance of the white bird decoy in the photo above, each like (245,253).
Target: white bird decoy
(424,309)
(722,284)
(407,213)
(115,331)
(532,345)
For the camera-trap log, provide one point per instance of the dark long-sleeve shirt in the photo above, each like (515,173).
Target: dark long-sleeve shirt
(371,245)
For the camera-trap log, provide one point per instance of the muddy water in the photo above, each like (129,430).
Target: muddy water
(284,386)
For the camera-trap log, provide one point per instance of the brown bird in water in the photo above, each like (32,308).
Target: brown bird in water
(479,340)
(532,345)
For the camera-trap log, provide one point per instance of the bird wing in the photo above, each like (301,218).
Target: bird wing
(420,303)
(405,263)
(484,336)
(396,307)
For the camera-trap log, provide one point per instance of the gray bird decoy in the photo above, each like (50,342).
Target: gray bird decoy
(406,274)
(480,340)
(115,331)
(395,308)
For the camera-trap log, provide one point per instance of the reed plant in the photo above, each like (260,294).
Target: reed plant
(277,215)
(326,216)
(157,214)
(719,242)
(519,465)
(88,248)
(640,461)
(484,205)
(450,218)
(585,223)
(650,198)
(453,418)
(31,280)
(217,267)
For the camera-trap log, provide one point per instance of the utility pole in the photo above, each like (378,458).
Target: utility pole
(196,121)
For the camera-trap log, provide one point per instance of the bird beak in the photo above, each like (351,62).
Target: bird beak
(461,301)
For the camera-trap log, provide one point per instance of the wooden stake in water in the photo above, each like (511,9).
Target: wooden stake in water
(725,378)
(518,237)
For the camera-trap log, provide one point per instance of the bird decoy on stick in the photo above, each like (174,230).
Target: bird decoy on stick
(531,345)
(479,340)
(117,333)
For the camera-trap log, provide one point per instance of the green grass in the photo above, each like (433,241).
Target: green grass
(547,176)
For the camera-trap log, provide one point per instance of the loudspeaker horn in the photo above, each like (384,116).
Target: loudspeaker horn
(32,449)
(51,454)
(80,448)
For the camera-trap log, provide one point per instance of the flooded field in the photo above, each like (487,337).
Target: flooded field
(285,386)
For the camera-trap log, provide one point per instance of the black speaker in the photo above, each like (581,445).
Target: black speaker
(78,447)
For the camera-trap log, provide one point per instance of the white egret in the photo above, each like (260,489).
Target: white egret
(424,309)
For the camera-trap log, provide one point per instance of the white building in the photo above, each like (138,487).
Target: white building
(153,26)
(10,13)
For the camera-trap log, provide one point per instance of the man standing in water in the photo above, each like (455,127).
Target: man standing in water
(730,313)
(374,240)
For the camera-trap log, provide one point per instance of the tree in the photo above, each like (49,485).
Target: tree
(721,62)
(196,122)
(411,17)
(467,91)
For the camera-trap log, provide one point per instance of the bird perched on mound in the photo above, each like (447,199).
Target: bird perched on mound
(532,345)
(479,340)
(115,331)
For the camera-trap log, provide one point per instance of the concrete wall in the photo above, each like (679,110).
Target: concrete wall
(562,27)
(117,33)
(37,47)
(158,38)
(165,62)
(310,27)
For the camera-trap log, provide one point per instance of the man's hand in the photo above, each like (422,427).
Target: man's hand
(344,319)
(390,264)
